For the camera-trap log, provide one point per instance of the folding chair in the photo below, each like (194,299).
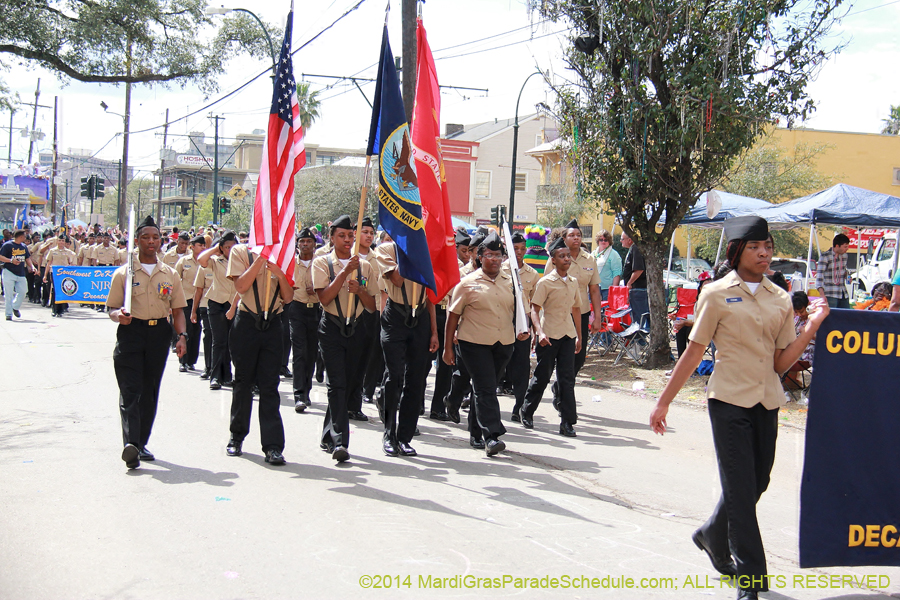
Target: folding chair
(634,341)
(599,340)
(797,380)
(616,318)
(685,300)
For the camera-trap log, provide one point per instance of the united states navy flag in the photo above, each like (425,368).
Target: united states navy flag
(850,494)
(399,207)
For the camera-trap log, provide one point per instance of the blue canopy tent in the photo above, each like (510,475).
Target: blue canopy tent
(459,222)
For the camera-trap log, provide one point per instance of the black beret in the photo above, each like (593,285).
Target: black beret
(491,242)
(342,222)
(228,236)
(367,222)
(147,222)
(184,235)
(573,224)
(518,238)
(462,238)
(477,239)
(556,244)
(748,228)
(306,233)
(198,239)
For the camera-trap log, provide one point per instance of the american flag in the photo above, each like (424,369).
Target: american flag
(273,230)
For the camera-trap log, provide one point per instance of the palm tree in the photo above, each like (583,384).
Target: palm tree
(892,123)
(308,103)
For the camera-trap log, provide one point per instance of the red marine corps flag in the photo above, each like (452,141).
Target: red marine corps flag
(273,229)
(426,133)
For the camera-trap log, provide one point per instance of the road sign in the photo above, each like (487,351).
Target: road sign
(236,192)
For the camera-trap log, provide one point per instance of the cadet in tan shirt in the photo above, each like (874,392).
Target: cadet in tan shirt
(517,371)
(343,299)
(58,256)
(751,322)
(555,308)
(304,314)
(85,252)
(179,250)
(482,309)
(105,254)
(222,303)
(186,268)
(143,338)
(257,350)
(369,321)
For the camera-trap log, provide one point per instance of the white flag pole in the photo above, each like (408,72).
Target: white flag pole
(129,264)
(521,321)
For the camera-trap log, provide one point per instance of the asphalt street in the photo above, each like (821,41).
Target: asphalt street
(615,505)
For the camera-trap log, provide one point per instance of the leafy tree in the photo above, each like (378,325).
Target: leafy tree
(668,92)
(238,219)
(308,103)
(129,41)
(892,123)
(323,193)
(557,205)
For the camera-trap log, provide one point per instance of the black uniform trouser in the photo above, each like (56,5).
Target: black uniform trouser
(45,288)
(375,366)
(139,361)
(342,374)
(286,340)
(561,355)
(29,278)
(580,357)
(518,369)
(221,346)
(203,317)
(485,364)
(460,382)
(745,448)
(193,342)
(444,371)
(55,308)
(257,359)
(370,344)
(406,360)
(304,321)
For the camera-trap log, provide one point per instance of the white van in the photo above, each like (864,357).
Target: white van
(881,266)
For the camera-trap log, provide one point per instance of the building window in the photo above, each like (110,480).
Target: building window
(482,184)
(521,182)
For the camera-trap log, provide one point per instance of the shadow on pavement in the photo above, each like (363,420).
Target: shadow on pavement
(171,474)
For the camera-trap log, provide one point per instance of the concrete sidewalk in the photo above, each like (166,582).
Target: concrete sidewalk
(617,502)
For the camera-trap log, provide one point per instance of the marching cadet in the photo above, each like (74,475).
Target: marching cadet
(48,243)
(520,363)
(187,267)
(142,338)
(750,320)
(122,249)
(482,308)
(304,314)
(222,304)
(86,251)
(444,372)
(59,256)
(179,250)
(369,321)
(408,337)
(105,255)
(200,313)
(33,278)
(555,310)
(256,349)
(343,299)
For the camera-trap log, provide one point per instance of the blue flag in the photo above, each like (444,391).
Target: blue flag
(399,207)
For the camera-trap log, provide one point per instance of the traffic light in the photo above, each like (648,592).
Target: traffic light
(502,214)
(99,187)
(224,205)
(495,215)
(87,186)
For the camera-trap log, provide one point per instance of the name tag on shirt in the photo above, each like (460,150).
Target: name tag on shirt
(729,300)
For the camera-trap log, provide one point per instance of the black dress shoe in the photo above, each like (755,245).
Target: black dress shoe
(191,368)
(274,457)
(747,594)
(214,384)
(340,454)
(299,405)
(515,418)
(438,416)
(390,448)
(357,415)
(228,383)
(132,456)
(494,446)
(286,373)
(452,411)
(723,564)
(407,450)
(233,448)
(182,368)
(145,454)
(476,443)
(204,375)
(566,429)
(527,423)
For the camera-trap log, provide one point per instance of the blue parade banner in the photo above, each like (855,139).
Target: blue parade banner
(850,492)
(84,285)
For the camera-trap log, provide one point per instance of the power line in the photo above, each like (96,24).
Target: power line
(868,9)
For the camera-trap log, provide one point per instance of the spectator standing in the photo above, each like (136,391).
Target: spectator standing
(831,272)
(635,277)
(15,257)
(609,263)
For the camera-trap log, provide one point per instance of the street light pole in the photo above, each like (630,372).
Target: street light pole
(511,217)
(224,11)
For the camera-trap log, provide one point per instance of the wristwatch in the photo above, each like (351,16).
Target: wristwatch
(183,334)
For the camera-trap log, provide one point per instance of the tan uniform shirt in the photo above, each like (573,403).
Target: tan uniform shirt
(84,254)
(321,278)
(529,278)
(122,254)
(238,263)
(323,251)
(386,259)
(55,257)
(45,246)
(584,269)
(486,308)
(222,289)
(467,269)
(186,267)
(106,255)
(203,279)
(747,329)
(171,257)
(557,298)
(35,251)
(152,296)
(302,277)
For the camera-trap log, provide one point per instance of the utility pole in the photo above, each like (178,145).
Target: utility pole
(120,202)
(55,168)
(408,18)
(162,168)
(37,94)
(215,218)
(12,113)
